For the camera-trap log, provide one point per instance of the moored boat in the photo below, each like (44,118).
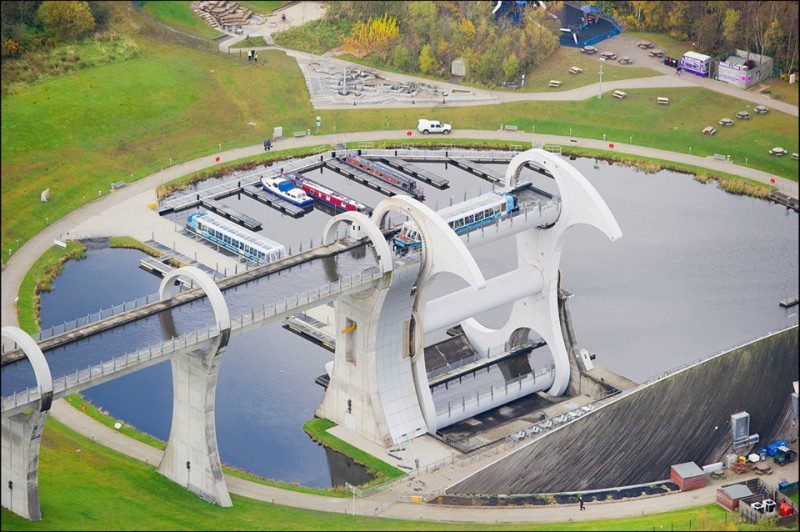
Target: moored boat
(286,189)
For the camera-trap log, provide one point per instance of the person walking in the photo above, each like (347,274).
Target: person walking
(255,56)
(580,502)
(250,55)
(267,145)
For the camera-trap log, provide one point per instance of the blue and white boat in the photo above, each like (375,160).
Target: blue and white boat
(462,217)
(230,236)
(286,189)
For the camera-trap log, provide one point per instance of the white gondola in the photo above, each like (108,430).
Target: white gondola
(234,238)
(462,217)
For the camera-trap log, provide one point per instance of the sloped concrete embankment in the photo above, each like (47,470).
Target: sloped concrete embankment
(684,417)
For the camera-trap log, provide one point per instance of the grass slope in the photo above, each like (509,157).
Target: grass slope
(316,37)
(318,428)
(179,15)
(85,486)
(79,132)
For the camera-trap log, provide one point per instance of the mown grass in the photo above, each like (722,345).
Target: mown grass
(783,91)
(40,278)
(672,47)
(249,42)
(79,132)
(317,428)
(179,15)
(85,486)
(263,7)
(128,242)
(316,37)
(557,67)
(497,144)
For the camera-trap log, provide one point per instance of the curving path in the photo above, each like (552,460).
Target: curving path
(385,502)
(19,264)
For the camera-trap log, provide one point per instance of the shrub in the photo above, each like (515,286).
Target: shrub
(66,20)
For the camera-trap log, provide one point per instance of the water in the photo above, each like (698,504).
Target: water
(697,270)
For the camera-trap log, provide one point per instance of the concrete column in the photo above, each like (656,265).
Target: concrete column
(191,458)
(22,436)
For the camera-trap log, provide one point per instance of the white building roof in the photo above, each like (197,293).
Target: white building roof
(698,56)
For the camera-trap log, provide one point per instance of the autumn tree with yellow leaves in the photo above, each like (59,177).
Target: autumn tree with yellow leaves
(372,37)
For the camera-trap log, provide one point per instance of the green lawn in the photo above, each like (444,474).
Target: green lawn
(179,15)
(672,47)
(250,42)
(85,486)
(318,428)
(316,37)
(264,7)
(783,91)
(81,131)
(557,67)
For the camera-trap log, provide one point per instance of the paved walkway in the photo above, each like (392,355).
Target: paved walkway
(296,14)
(620,44)
(108,222)
(115,212)
(385,504)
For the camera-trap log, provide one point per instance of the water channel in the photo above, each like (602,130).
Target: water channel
(697,270)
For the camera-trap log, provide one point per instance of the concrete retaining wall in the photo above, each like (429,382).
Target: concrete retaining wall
(685,417)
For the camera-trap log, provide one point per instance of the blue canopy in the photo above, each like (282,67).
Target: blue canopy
(591,10)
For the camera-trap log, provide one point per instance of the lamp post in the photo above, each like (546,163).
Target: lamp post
(600,85)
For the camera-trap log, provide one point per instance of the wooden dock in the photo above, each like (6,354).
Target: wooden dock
(785,200)
(364,178)
(417,172)
(231,214)
(261,195)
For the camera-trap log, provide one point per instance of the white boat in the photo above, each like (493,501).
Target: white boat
(284,188)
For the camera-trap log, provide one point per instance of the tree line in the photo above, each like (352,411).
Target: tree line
(718,27)
(29,25)
(427,36)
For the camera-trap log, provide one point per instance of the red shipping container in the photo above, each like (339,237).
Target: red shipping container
(688,476)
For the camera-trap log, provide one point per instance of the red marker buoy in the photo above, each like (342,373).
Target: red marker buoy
(772,180)
(611,145)
(217,159)
(408,133)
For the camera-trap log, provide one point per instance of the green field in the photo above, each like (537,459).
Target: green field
(783,91)
(250,42)
(85,486)
(179,15)
(79,132)
(316,37)
(264,7)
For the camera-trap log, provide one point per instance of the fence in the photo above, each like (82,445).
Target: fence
(492,353)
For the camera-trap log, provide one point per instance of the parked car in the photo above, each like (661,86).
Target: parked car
(625,60)
(433,126)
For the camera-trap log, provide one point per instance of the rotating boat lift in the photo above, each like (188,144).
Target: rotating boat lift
(378,380)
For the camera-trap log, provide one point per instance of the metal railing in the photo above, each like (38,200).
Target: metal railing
(491,353)
(251,317)
(239,179)
(72,381)
(477,397)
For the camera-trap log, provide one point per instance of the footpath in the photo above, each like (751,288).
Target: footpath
(99,210)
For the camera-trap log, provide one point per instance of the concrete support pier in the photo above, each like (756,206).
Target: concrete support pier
(191,458)
(22,436)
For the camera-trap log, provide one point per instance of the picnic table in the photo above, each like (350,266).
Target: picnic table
(555,83)
(589,50)
(608,55)
(743,115)
(656,53)
(644,45)
(726,122)
(762,109)
(663,100)
(778,151)
(619,94)
(709,130)
(575,70)
(625,60)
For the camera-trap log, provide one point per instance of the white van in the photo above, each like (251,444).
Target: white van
(433,126)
